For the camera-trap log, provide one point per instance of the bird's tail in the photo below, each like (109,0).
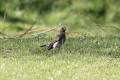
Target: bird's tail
(43,45)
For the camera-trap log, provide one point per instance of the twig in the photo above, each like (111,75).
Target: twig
(2,29)
(29,29)
(37,34)
(21,35)
(38,30)
(2,35)
(116,27)
(87,32)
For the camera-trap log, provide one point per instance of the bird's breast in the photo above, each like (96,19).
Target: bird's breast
(55,44)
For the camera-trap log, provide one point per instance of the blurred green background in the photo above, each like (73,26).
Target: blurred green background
(76,14)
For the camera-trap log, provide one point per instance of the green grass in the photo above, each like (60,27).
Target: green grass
(82,57)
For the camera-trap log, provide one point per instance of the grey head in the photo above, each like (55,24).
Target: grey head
(63,29)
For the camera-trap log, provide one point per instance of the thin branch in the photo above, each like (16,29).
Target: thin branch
(2,35)
(37,34)
(29,29)
(3,23)
(21,35)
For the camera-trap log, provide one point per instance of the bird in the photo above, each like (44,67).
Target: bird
(58,41)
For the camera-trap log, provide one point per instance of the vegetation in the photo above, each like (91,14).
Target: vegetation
(91,51)
(76,13)
(82,57)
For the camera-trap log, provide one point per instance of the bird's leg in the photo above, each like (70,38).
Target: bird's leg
(54,50)
(59,48)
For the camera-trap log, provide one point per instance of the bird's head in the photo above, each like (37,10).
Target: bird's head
(63,29)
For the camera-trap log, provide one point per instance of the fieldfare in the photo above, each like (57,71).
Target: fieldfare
(58,40)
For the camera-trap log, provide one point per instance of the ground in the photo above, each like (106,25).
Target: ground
(83,57)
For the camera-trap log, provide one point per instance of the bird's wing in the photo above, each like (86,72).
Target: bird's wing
(57,38)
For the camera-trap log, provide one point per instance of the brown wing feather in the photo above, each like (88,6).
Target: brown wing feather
(57,38)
